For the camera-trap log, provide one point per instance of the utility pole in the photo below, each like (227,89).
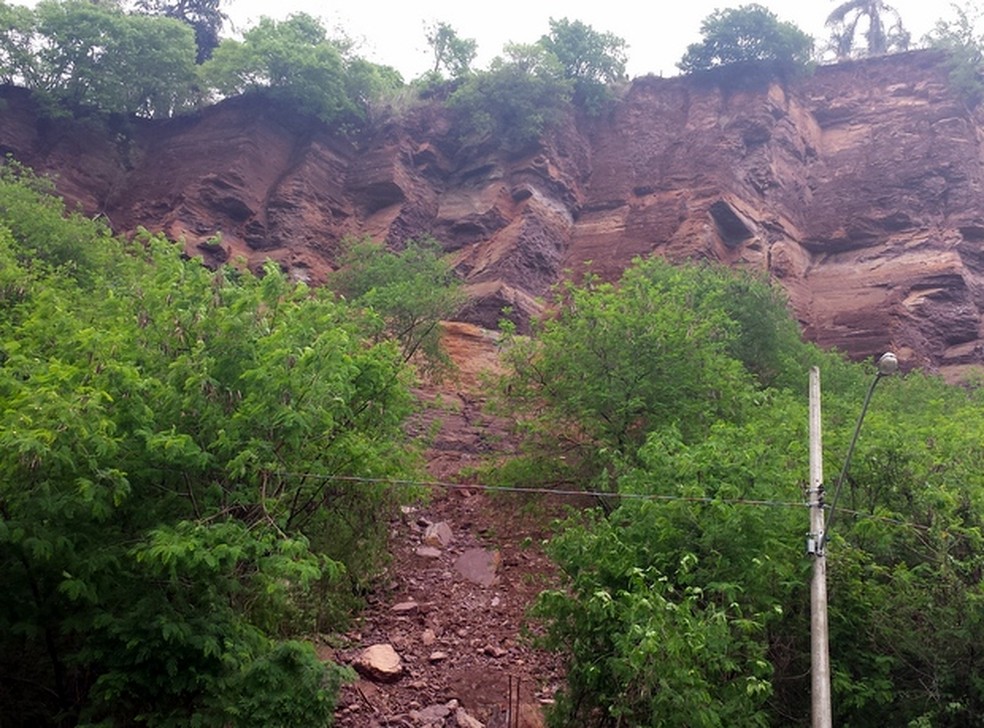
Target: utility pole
(819,651)
(816,544)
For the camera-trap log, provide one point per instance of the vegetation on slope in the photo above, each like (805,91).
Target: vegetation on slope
(171,442)
(175,509)
(681,391)
(167,58)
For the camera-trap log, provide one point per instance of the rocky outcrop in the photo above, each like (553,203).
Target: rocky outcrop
(858,189)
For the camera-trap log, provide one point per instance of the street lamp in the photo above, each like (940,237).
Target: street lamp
(822,716)
(887,365)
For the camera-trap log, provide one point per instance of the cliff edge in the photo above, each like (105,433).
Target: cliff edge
(858,189)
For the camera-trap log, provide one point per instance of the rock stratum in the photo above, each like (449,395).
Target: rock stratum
(859,189)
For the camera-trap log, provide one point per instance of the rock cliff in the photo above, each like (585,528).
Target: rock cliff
(858,189)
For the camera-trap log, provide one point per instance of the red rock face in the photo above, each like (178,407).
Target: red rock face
(858,189)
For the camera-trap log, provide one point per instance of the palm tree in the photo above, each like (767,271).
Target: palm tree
(843,22)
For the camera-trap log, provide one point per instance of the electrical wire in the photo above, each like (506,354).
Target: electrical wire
(542,490)
(545,490)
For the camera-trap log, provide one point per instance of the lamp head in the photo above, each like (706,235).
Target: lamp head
(888,364)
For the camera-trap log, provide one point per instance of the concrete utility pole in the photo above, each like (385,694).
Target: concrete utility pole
(816,544)
(819,651)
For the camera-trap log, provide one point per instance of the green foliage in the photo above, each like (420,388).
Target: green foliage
(746,45)
(204,16)
(16,33)
(91,55)
(616,362)
(294,61)
(171,443)
(964,45)
(411,291)
(516,100)
(669,604)
(82,57)
(685,604)
(843,22)
(291,60)
(591,59)
(451,52)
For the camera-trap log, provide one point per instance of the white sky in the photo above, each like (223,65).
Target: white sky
(657,31)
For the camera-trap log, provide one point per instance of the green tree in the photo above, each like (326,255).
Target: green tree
(411,291)
(683,601)
(451,52)
(614,363)
(171,443)
(17,62)
(748,43)
(204,16)
(89,55)
(294,61)
(591,59)
(522,94)
(964,45)
(880,38)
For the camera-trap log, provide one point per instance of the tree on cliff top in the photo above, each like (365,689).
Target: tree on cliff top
(204,16)
(591,59)
(451,52)
(295,61)
(86,56)
(963,41)
(879,37)
(513,102)
(748,43)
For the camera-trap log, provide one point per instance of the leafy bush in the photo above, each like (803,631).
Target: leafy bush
(91,55)
(411,291)
(669,604)
(519,97)
(171,440)
(685,603)
(615,362)
(964,46)
(747,45)
(294,61)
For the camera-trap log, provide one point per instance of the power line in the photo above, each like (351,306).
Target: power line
(407,483)
(546,491)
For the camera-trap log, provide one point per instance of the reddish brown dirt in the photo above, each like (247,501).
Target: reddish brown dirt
(481,630)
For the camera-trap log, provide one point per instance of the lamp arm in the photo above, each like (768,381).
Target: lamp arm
(847,460)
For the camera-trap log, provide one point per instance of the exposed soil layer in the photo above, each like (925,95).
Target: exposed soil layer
(857,188)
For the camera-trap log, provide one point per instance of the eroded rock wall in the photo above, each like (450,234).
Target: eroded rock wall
(859,189)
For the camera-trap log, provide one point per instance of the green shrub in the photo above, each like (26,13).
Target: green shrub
(516,100)
(748,44)
(176,449)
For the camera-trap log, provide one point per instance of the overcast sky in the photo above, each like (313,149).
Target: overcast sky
(657,31)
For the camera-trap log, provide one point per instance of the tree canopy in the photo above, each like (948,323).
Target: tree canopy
(884,34)
(684,598)
(451,52)
(295,61)
(170,439)
(591,59)
(749,42)
(204,16)
(523,93)
(84,55)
